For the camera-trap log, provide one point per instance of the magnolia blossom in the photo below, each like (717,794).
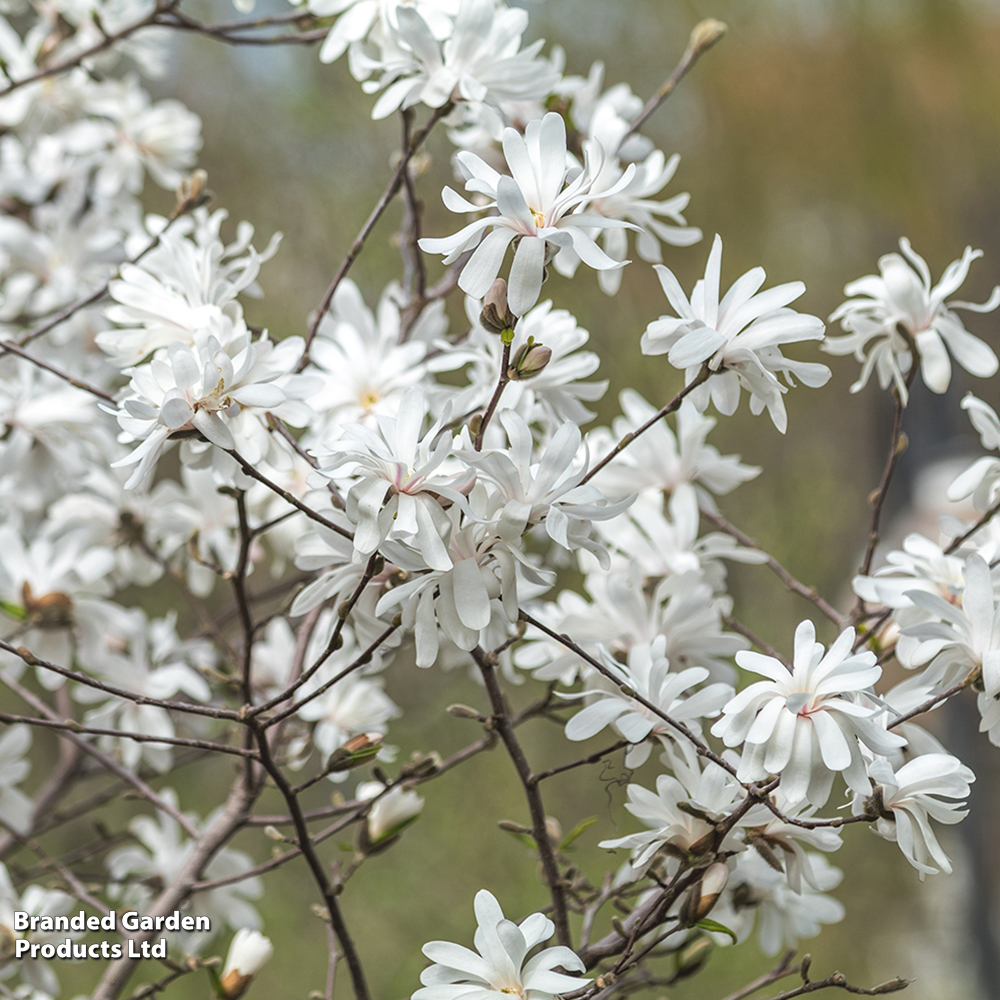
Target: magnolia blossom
(758,894)
(160,852)
(903,296)
(203,390)
(675,831)
(358,18)
(804,724)
(500,966)
(480,60)
(903,802)
(981,478)
(397,493)
(541,205)
(738,336)
(551,490)
(648,674)
(608,129)
(661,460)
(964,639)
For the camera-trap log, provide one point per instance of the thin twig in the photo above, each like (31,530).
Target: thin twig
(674,404)
(794,585)
(416,141)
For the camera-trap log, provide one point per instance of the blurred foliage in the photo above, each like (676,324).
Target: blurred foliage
(815,135)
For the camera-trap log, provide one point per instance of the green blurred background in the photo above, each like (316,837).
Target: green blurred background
(812,137)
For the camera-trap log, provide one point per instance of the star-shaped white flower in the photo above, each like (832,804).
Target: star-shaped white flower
(500,967)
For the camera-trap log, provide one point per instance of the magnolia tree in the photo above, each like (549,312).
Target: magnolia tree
(392,487)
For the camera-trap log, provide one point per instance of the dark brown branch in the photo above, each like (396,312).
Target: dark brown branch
(529,780)
(308,849)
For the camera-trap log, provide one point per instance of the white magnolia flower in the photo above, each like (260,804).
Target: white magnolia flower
(500,966)
(398,489)
(673,830)
(361,18)
(670,545)
(903,802)
(206,389)
(156,665)
(904,295)
(473,600)
(804,724)
(189,282)
(548,490)
(661,461)
(777,841)
(36,902)
(607,129)
(53,588)
(541,205)
(980,480)
(161,138)
(648,673)
(963,639)
(738,335)
(620,612)
(756,893)
(480,61)
(353,706)
(363,366)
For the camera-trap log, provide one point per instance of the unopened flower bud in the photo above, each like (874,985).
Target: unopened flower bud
(463,712)
(529,361)
(248,954)
(704,894)
(705,34)
(193,192)
(390,814)
(496,316)
(355,752)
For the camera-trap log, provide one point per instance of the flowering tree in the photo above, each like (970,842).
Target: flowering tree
(384,513)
